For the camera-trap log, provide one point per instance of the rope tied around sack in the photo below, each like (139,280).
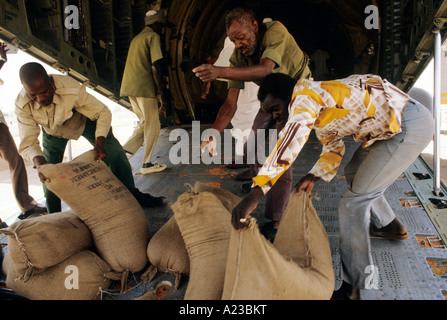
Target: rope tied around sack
(238,264)
(30,267)
(306,234)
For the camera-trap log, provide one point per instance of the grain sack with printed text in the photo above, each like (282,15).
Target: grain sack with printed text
(115,218)
(205,227)
(83,276)
(297,266)
(38,243)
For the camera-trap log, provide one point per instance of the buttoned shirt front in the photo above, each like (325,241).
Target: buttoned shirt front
(278,45)
(366,107)
(65,117)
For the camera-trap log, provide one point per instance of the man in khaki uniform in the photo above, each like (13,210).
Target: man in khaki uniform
(143,80)
(64,110)
(260,49)
(17,169)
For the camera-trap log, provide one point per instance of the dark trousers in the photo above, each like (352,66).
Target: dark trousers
(116,160)
(278,196)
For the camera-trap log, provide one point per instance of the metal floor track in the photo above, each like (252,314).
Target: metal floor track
(413,269)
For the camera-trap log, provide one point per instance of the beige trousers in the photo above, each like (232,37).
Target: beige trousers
(147,130)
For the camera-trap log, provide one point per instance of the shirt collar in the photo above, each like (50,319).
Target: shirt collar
(24,98)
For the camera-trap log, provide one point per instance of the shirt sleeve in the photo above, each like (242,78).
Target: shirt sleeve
(94,109)
(329,162)
(29,131)
(275,42)
(303,112)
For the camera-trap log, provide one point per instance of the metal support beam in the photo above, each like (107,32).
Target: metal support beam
(437,114)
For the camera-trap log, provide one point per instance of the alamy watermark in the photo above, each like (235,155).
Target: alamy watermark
(72,280)
(71,21)
(372,20)
(187,149)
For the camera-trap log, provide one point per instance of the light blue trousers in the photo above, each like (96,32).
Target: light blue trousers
(368,174)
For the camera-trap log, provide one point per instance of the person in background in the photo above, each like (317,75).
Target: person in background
(247,105)
(17,169)
(144,78)
(62,109)
(260,49)
(394,130)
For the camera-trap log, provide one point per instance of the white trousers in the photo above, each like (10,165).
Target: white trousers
(147,130)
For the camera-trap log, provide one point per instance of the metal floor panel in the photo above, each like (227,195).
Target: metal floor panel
(408,270)
(414,269)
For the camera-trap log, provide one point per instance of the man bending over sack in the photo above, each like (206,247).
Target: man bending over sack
(394,130)
(66,111)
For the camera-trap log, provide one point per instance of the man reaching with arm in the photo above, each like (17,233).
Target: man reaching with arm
(394,130)
(61,108)
(259,50)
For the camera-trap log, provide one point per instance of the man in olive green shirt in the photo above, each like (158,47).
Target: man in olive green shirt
(143,80)
(259,51)
(64,110)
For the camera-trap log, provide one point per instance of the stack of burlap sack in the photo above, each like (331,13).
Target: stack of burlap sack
(223,263)
(166,250)
(76,254)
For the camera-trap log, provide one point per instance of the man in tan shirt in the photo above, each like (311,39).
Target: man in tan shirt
(64,110)
(260,49)
(17,169)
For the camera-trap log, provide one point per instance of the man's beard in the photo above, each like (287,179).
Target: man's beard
(252,48)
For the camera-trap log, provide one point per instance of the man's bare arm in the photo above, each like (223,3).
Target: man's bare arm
(209,72)
(227,110)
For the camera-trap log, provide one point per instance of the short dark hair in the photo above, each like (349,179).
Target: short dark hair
(242,15)
(278,85)
(32,71)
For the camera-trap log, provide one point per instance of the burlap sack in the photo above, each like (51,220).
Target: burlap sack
(298,266)
(166,249)
(166,252)
(114,217)
(205,227)
(83,276)
(42,242)
(228,199)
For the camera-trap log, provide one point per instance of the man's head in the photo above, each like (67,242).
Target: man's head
(243,29)
(39,86)
(156,20)
(275,93)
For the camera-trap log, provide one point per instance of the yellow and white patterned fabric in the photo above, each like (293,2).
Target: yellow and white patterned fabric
(366,107)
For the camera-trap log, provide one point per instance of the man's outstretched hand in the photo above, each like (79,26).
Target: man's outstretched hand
(306,184)
(245,207)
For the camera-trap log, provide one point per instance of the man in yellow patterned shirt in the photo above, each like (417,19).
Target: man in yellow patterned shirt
(393,130)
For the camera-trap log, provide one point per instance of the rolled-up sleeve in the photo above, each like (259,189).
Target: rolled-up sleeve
(94,109)
(293,136)
(29,130)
